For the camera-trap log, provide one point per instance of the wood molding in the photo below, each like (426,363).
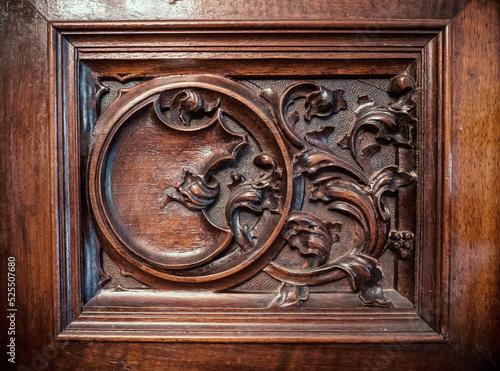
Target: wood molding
(39,217)
(422,48)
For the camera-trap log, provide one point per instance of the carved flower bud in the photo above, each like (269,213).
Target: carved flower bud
(401,84)
(324,102)
(187,105)
(194,192)
(265,161)
(190,101)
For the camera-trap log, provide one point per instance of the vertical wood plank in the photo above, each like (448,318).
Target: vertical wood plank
(25,180)
(474,319)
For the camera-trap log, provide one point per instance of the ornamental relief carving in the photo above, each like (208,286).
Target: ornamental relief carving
(201,183)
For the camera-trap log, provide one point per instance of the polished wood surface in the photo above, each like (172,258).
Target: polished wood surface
(27,228)
(244,10)
(444,291)
(473,208)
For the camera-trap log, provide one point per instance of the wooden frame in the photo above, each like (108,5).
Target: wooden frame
(330,48)
(457,42)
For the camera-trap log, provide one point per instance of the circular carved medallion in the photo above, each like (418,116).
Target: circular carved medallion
(189,182)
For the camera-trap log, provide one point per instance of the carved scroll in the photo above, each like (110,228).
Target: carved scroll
(208,200)
(177,219)
(356,191)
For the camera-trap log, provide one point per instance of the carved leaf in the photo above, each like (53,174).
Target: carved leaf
(319,101)
(389,179)
(402,86)
(291,295)
(103,277)
(348,197)
(323,102)
(362,271)
(187,105)
(101,90)
(311,236)
(319,138)
(310,161)
(194,192)
(257,196)
(389,124)
(236,179)
(364,277)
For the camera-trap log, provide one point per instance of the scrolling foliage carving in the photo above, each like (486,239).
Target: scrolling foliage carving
(356,191)
(231,179)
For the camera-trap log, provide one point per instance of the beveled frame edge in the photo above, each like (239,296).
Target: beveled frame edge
(432,303)
(62,70)
(433,287)
(415,25)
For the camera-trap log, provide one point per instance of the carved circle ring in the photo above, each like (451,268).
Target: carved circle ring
(189,182)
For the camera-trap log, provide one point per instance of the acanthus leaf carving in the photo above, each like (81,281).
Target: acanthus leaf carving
(364,276)
(319,138)
(257,196)
(246,202)
(197,192)
(402,86)
(290,296)
(186,106)
(392,123)
(311,236)
(101,90)
(362,201)
(197,125)
(312,160)
(322,102)
(194,192)
(103,277)
(319,102)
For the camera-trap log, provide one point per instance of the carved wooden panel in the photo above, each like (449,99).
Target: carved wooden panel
(242,183)
(207,191)
(200,182)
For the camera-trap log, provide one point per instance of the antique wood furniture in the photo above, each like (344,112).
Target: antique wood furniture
(255,185)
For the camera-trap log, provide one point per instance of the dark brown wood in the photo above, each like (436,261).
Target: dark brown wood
(173,188)
(26,187)
(276,356)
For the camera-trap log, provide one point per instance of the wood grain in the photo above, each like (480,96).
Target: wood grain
(26,227)
(469,109)
(228,356)
(474,191)
(246,9)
